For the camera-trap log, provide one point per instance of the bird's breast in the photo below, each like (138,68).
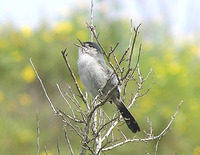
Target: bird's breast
(92,74)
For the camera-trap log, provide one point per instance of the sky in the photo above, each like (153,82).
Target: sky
(183,16)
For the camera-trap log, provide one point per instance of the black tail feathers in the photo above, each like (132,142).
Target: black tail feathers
(128,117)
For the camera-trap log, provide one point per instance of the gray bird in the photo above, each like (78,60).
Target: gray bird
(95,74)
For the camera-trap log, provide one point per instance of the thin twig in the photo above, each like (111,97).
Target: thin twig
(58,148)
(91,18)
(172,119)
(45,92)
(116,61)
(156,147)
(104,53)
(74,78)
(69,117)
(133,45)
(68,142)
(129,46)
(103,101)
(38,133)
(163,132)
(75,101)
(45,149)
(79,133)
(66,100)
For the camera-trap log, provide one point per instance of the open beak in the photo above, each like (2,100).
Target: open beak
(81,42)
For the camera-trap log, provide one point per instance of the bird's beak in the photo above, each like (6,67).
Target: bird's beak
(81,42)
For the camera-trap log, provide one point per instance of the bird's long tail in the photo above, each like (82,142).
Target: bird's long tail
(128,117)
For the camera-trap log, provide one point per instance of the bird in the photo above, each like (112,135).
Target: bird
(95,74)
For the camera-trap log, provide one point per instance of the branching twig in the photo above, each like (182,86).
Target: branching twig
(56,112)
(104,53)
(74,78)
(166,129)
(66,100)
(94,126)
(133,45)
(156,147)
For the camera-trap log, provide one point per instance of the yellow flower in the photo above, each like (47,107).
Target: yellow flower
(195,49)
(28,74)
(63,27)
(1,96)
(26,31)
(160,70)
(174,68)
(169,57)
(25,99)
(4,44)
(165,111)
(44,153)
(25,136)
(147,104)
(16,55)
(47,37)
(194,106)
(196,151)
(183,79)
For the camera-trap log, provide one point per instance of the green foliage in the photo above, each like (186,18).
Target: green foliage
(176,67)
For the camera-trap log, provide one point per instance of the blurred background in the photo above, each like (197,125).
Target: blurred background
(39,30)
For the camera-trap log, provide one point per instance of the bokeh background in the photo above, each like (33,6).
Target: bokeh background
(41,29)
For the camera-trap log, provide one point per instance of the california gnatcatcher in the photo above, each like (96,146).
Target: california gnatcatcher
(96,75)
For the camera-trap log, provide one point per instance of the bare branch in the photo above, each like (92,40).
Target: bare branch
(71,125)
(38,133)
(102,102)
(92,29)
(69,117)
(74,78)
(129,46)
(172,119)
(57,112)
(68,142)
(45,149)
(45,92)
(116,61)
(150,138)
(111,128)
(76,102)
(93,125)
(112,49)
(66,100)
(133,45)
(151,71)
(104,53)
(131,69)
(58,148)
(150,134)
(91,19)
(156,147)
